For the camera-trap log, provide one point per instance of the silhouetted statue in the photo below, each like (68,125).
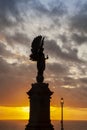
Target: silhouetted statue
(39,94)
(38,55)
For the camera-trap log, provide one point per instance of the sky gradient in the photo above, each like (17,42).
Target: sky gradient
(64,25)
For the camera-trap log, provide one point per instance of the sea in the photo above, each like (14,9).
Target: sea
(20,125)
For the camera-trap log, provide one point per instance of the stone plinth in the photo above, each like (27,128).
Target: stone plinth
(39,96)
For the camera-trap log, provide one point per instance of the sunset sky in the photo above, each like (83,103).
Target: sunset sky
(64,25)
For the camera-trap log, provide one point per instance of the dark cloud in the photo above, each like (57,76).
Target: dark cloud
(52,47)
(4,52)
(55,51)
(57,8)
(3,66)
(79,39)
(37,6)
(79,20)
(7,5)
(63,38)
(83,80)
(18,38)
(8,55)
(9,14)
(70,81)
(53,12)
(56,69)
(2,48)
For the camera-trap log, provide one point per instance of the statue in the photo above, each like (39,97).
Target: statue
(39,94)
(38,56)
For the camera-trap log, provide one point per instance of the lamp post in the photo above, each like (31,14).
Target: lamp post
(62,102)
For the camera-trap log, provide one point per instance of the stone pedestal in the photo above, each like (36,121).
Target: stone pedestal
(39,96)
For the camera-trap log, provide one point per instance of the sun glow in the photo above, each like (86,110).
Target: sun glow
(15,113)
(22,113)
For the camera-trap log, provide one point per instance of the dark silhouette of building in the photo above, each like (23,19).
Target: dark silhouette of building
(40,93)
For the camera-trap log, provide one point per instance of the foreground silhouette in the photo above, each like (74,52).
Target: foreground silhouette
(38,56)
(39,94)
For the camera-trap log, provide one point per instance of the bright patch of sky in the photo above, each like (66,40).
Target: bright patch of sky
(82,53)
(68,86)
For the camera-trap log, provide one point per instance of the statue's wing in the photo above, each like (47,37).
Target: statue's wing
(42,42)
(36,43)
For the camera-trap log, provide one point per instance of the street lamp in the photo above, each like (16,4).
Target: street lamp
(62,102)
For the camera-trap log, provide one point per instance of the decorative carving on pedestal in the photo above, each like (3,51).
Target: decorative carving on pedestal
(39,94)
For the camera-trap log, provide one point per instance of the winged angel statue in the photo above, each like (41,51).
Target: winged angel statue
(38,56)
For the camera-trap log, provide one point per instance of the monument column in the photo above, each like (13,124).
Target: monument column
(39,94)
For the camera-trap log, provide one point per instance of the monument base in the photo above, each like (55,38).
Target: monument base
(39,127)
(39,96)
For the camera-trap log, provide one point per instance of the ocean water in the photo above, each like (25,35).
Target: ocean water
(20,125)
